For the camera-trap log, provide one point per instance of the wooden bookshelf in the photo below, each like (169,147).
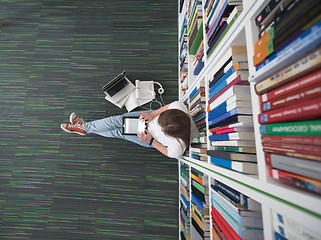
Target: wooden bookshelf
(301,206)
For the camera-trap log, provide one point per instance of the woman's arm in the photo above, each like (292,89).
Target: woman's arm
(149,116)
(146,137)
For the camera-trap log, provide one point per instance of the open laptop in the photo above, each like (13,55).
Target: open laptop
(118,88)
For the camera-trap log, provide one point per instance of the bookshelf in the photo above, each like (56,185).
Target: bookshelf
(302,208)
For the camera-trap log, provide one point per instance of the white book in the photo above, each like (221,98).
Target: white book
(239,143)
(292,227)
(240,92)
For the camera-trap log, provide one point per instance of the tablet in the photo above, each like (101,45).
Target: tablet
(132,125)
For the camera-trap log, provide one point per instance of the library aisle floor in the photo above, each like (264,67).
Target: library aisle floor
(55,56)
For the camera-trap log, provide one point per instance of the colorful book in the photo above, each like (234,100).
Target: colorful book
(306,156)
(296,180)
(299,166)
(225,107)
(233,112)
(307,110)
(235,119)
(231,129)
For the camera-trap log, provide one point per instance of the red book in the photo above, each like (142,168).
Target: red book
(305,81)
(217,230)
(312,140)
(296,180)
(224,226)
(236,81)
(300,95)
(306,110)
(298,148)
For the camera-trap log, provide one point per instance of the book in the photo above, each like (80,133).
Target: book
(238,213)
(226,228)
(233,119)
(241,93)
(266,11)
(293,148)
(232,68)
(293,226)
(296,180)
(306,156)
(243,167)
(285,98)
(309,128)
(305,81)
(231,129)
(243,232)
(236,143)
(232,155)
(306,110)
(232,79)
(238,126)
(230,110)
(233,112)
(295,70)
(312,140)
(233,136)
(235,149)
(299,166)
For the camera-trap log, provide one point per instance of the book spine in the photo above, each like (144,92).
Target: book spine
(302,111)
(295,70)
(293,154)
(306,81)
(309,128)
(312,140)
(295,97)
(297,148)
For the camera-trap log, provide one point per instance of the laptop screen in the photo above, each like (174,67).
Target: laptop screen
(116,86)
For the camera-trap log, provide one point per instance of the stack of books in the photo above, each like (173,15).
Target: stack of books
(291,122)
(198,113)
(287,228)
(183,57)
(283,24)
(230,114)
(219,16)
(195,34)
(200,228)
(234,215)
(184,201)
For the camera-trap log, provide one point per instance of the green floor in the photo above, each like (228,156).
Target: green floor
(55,55)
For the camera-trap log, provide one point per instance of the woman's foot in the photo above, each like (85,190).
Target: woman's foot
(74,119)
(73,128)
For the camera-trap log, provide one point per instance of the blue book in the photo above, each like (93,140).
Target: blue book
(243,167)
(198,203)
(231,113)
(212,12)
(278,236)
(184,215)
(185,201)
(200,117)
(229,72)
(199,67)
(310,39)
(193,92)
(219,110)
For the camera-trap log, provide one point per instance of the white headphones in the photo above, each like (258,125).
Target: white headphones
(161,89)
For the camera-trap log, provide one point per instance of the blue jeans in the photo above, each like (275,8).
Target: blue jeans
(111,127)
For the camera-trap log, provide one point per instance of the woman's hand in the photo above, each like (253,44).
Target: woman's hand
(144,136)
(147,117)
